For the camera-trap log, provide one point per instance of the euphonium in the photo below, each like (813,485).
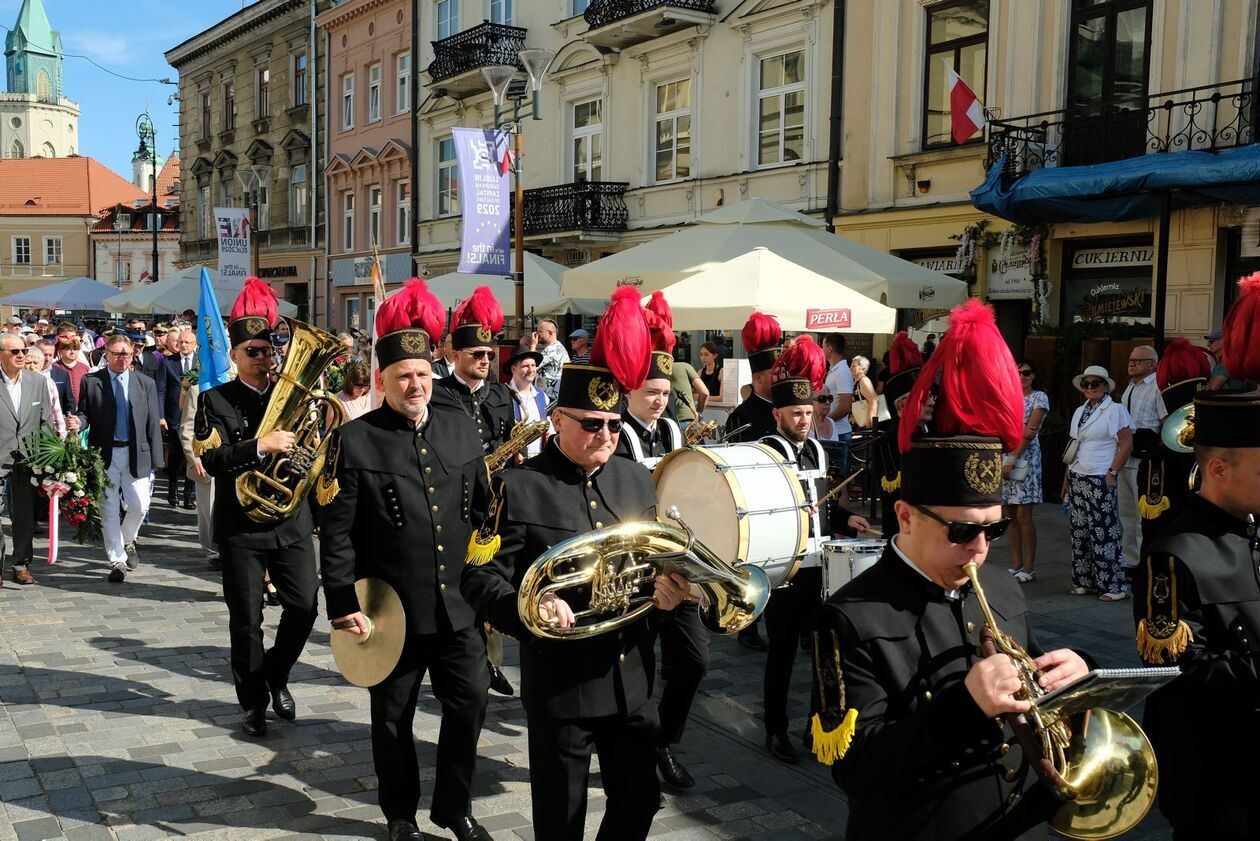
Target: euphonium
(1177,434)
(607,575)
(1099,763)
(273,492)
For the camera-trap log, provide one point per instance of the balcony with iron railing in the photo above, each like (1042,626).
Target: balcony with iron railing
(577,209)
(457,60)
(618,24)
(1208,118)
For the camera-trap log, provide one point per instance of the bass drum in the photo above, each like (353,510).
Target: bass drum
(743,501)
(845,560)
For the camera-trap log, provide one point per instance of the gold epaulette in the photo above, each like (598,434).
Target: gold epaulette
(890,485)
(833,723)
(1162,636)
(484,543)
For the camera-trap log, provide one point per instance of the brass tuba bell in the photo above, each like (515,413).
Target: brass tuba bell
(1177,433)
(607,575)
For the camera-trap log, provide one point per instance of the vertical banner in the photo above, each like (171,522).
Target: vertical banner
(233,231)
(483,195)
(213,364)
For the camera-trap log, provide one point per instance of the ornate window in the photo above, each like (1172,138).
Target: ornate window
(781,109)
(672,140)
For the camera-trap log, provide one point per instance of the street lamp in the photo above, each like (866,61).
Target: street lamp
(505,84)
(254,180)
(148,148)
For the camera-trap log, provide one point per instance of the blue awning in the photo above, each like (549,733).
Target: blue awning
(1132,188)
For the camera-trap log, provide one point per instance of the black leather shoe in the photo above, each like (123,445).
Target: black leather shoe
(781,749)
(254,722)
(673,774)
(499,682)
(283,704)
(465,829)
(751,638)
(404,831)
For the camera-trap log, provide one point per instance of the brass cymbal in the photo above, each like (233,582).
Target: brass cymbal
(367,659)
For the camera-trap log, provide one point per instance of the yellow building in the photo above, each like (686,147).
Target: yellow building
(1065,83)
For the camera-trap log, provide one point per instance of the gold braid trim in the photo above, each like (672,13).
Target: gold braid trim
(327,487)
(1162,637)
(831,742)
(203,445)
(890,485)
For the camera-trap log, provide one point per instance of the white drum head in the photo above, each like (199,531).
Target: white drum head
(704,499)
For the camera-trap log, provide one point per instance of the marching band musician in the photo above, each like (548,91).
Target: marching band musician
(646,436)
(224,430)
(588,694)
(404,480)
(1201,609)
(763,339)
(905,705)
(904,362)
(791,608)
(1164,478)
(469,388)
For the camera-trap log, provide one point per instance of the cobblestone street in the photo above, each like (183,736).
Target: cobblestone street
(119,719)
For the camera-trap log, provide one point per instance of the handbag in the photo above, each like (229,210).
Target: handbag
(882,413)
(1069,452)
(861,411)
(1145,443)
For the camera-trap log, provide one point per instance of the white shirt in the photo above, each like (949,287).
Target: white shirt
(186,363)
(473,388)
(14,387)
(529,413)
(839,383)
(952,595)
(1098,437)
(1145,406)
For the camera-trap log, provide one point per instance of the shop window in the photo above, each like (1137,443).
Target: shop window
(957,37)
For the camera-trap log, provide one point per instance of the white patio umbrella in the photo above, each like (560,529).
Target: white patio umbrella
(542,289)
(182,291)
(725,234)
(801,299)
(79,293)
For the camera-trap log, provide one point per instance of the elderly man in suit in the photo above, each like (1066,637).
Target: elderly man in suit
(25,407)
(121,409)
(178,365)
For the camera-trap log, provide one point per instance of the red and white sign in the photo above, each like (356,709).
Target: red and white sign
(966,115)
(841,319)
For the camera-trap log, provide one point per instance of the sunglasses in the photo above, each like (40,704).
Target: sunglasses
(963,532)
(16,351)
(255,352)
(482,354)
(1093,383)
(822,401)
(1025,373)
(594,425)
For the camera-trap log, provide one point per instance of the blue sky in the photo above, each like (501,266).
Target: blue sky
(128,38)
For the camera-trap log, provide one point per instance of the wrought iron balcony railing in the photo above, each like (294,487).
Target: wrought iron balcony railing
(1208,118)
(481,46)
(587,206)
(611,11)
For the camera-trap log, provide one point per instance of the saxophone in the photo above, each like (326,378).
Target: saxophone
(698,431)
(522,436)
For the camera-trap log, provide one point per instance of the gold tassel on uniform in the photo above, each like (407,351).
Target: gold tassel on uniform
(1151,510)
(204,445)
(1154,502)
(890,485)
(327,487)
(832,727)
(484,543)
(1162,637)
(828,747)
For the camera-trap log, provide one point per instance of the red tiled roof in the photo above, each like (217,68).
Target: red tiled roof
(76,186)
(168,176)
(139,218)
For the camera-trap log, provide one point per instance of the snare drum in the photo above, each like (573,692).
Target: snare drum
(845,560)
(743,501)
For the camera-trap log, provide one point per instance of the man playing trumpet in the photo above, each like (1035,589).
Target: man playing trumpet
(590,694)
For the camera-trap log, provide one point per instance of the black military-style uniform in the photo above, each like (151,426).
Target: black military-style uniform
(925,762)
(489,407)
(1164,478)
(580,694)
(684,639)
(756,411)
(1197,603)
(405,501)
(226,426)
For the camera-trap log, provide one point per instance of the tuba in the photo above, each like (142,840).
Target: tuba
(1099,763)
(1177,434)
(611,571)
(272,492)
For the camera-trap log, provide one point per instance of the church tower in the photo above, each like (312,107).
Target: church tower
(35,117)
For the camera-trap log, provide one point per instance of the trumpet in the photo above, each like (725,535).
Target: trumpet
(1100,764)
(611,571)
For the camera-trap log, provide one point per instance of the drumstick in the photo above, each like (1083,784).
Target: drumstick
(823,500)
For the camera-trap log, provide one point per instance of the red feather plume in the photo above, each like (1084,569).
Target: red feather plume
(482,308)
(623,344)
(660,321)
(412,307)
(904,354)
(761,332)
(979,391)
(1181,361)
(1240,346)
(256,298)
(804,359)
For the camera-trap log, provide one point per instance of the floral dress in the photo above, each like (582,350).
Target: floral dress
(1028,490)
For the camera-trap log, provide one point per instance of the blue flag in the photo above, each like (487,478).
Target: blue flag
(212,340)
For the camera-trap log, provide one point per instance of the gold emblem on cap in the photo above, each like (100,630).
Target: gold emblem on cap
(484,334)
(983,472)
(255,324)
(801,389)
(665,362)
(603,393)
(414,342)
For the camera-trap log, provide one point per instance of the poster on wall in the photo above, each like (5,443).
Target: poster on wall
(1010,278)
(483,188)
(233,231)
(1126,299)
